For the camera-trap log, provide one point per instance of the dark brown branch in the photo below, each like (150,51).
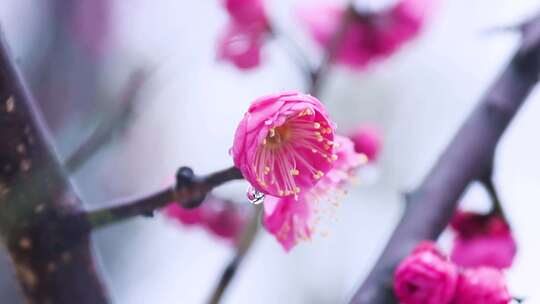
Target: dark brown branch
(466,158)
(318,76)
(53,262)
(190,191)
(243,247)
(115,121)
(496,205)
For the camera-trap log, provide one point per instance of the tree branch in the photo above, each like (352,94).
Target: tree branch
(243,247)
(318,76)
(190,191)
(465,159)
(53,262)
(116,120)
(496,205)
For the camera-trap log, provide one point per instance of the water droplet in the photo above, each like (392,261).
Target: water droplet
(255,196)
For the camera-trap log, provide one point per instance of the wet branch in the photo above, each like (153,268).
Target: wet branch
(467,158)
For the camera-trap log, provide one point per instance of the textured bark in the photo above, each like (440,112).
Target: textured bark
(51,255)
(468,157)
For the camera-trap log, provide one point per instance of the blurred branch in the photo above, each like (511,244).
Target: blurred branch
(467,158)
(118,118)
(243,247)
(320,73)
(294,51)
(190,191)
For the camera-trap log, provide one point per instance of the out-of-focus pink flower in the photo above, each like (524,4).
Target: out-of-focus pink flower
(91,24)
(482,285)
(185,216)
(425,277)
(241,46)
(367,140)
(291,220)
(371,36)
(221,218)
(482,240)
(244,36)
(284,144)
(247,12)
(226,221)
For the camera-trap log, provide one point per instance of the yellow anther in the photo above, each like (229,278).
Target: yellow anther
(318,175)
(294,172)
(316,125)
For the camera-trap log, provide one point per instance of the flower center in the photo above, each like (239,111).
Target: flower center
(294,154)
(278,135)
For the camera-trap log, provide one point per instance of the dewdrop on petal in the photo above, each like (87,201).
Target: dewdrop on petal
(254,196)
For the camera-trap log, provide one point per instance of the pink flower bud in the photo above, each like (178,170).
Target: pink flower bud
(482,240)
(241,46)
(425,277)
(247,12)
(367,140)
(284,144)
(371,36)
(482,286)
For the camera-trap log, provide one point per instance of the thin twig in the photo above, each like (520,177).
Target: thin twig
(189,190)
(496,205)
(332,49)
(116,120)
(294,51)
(466,158)
(246,242)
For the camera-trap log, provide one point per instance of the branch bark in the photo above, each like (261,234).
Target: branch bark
(52,258)
(468,156)
(189,190)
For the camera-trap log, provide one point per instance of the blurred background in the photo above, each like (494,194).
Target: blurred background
(79,55)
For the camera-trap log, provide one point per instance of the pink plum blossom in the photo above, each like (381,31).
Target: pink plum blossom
(426,276)
(185,216)
(241,46)
(482,285)
(245,33)
(482,240)
(370,36)
(221,218)
(290,220)
(367,140)
(247,12)
(284,144)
